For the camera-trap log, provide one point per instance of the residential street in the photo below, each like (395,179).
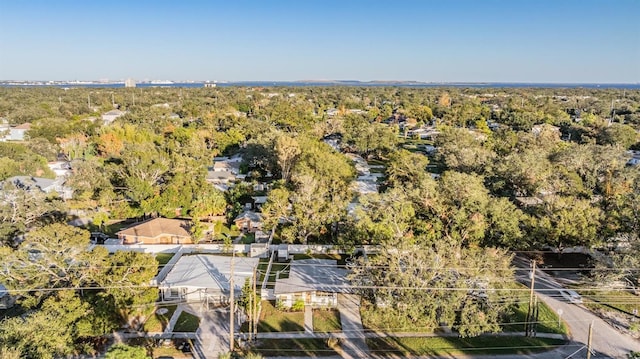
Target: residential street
(607,342)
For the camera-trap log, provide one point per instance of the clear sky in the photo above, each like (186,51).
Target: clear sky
(575,41)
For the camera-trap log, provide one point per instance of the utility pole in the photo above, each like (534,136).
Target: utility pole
(534,324)
(589,340)
(89,101)
(231,306)
(255,304)
(528,325)
(250,312)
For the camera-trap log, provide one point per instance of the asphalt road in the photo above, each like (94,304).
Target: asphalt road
(607,342)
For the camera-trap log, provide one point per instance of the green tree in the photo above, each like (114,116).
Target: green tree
(406,168)
(276,209)
(618,135)
(22,210)
(565,222)
(49,332)
(463,150)
(210,202)
(127,277)
(404,274)
(287,150)
(53,256)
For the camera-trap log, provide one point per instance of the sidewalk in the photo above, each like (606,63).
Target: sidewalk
(374,334)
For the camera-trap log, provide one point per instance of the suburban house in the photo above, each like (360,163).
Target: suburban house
(224,172)
(46,185)
(316,282)
(16,133)
(205,278)
(249,221)
(424,133)
(109,117)
(6,300)
(60,168)
(222,180)
(158,231)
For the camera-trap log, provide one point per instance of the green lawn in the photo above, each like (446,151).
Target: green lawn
(294,348)
(262,271)
(158,322)
(547,317)
(451,346)
(274,320)
(611,299)
(326,320)
(172,352)
(388,321)
(341,258)
(163,258)
(187,323)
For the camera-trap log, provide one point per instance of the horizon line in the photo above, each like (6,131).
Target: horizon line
(103,81)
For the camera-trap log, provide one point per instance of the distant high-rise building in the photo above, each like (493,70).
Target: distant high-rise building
(129,83)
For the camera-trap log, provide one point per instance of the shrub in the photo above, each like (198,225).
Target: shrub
(298,305)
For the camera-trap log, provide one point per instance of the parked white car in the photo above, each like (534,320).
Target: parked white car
(571,296)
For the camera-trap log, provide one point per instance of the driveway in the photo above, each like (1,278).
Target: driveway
(354,345)
(213,334)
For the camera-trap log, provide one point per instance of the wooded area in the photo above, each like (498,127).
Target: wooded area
(466,175)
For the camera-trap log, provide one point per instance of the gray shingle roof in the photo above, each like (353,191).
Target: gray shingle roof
(210,272)
(322,275)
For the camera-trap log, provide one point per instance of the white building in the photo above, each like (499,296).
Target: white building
(60,168)
(18,133)
(316,282)
(109,117)
(206,278)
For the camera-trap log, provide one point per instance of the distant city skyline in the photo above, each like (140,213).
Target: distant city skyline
(543,41)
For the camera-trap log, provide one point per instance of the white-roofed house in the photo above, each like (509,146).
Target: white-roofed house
(60,168)
(205,278)
(109,117)
(316,282)
(19,132)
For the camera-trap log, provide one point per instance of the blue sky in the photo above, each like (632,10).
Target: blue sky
(236,40)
